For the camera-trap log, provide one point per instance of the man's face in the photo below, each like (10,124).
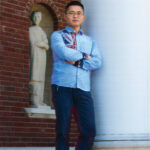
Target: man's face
(74,16)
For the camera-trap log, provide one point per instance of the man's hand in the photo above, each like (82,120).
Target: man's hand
(87,56)
(70,62)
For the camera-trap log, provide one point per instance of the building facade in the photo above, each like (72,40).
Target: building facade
(17,129)
(120,89)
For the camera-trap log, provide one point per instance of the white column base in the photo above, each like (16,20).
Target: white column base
(122,145)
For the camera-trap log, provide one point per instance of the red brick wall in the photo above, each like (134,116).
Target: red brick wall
(15,128)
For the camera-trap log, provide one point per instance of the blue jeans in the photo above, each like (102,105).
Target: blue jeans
(64,100)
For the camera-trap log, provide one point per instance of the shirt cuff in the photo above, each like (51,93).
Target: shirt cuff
(79,63)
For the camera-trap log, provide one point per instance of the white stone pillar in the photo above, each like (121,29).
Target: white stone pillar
(121,89)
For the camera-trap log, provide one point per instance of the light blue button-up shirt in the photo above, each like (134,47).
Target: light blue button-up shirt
(65,47)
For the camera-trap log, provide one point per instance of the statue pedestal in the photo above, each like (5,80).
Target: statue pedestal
(40,112)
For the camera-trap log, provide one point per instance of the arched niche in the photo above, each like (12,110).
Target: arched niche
(47,24)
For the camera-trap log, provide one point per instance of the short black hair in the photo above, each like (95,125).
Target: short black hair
(74,3)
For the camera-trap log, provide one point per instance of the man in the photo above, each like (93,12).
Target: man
(74,56)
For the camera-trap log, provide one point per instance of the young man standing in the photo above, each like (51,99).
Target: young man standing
(74,56)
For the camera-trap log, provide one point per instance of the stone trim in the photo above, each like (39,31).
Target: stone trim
(42,112)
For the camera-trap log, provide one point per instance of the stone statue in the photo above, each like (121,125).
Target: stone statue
(39,46)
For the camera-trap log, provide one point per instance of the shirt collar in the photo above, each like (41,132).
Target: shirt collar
(68,29)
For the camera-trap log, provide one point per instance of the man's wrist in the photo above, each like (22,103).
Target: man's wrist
(84,55)
(79,63)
